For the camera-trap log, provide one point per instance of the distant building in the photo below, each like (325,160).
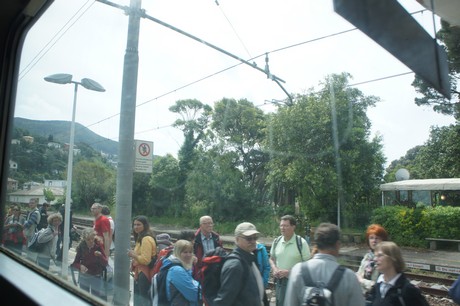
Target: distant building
(23,196)
(54,145)
(76,151)
(12,185)
(55,183)
(29,139)
(430,192)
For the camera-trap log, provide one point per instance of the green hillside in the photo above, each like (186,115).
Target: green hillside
(60,131)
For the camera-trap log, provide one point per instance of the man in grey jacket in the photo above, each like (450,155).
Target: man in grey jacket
(240,280)
(321,267)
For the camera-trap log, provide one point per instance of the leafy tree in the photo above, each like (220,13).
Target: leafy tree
(164,185)
(240,128)
(92,180)
(303,165)
(193,122)
(216,186)
(438,158)
(142,194)
(49,196)
(451,38)
(407,162)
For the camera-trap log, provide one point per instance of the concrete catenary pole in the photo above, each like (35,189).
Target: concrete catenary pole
(126,158)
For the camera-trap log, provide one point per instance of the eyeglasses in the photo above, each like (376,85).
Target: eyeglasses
(250,238)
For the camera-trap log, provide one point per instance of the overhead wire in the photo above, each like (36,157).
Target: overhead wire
(56,38)
(30,65)
(233,28)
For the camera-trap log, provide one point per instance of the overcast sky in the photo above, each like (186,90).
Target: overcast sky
(88,39)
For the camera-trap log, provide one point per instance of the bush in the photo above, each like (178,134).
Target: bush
(410,226)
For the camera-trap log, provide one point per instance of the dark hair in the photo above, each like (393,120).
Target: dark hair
(105,210)
(187,235)
(291,219)
(326,236)
(146,232)
(377,230)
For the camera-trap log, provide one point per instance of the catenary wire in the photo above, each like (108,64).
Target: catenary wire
(59,35)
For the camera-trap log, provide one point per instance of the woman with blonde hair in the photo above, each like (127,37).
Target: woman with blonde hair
(49,237)
(367,273)
(181,288)
(91,261)
(392,287)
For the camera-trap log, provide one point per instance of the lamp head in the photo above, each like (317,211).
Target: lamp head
(59,78)
(92,85)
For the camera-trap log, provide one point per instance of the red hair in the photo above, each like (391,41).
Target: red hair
(378,230)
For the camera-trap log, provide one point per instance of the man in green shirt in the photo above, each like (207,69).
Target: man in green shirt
(286,251)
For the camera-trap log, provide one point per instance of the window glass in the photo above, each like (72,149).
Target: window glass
(241,108)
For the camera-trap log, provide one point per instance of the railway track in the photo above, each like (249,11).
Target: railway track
(432,285)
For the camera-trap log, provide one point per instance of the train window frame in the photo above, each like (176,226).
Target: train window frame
(25,283)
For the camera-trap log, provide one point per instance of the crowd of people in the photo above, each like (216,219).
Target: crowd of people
(379,281)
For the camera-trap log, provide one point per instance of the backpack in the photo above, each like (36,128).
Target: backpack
(211,269)
(157,261)
(43,220)
(298,240)
(158,286)
(33,243)
(316,293)
(454,291)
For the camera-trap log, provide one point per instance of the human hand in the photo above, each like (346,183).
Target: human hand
(283,273)
(83,269)
(97,253)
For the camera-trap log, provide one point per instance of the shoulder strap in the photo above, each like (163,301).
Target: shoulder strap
(401,300)
(298,239)
(308,281)
(275,243)
(335,278)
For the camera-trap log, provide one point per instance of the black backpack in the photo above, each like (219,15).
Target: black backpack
(43,223)
(211,269)
(158,285)
(317,293)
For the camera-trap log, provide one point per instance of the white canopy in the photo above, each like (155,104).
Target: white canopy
(429,184)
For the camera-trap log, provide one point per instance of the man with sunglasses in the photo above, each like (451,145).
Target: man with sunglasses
(241,282)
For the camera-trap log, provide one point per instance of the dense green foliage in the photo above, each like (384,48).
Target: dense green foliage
(436,158)
(450,36)
(410,226)
(309,158)
(306,166)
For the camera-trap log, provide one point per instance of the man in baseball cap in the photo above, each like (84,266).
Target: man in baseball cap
(241,281)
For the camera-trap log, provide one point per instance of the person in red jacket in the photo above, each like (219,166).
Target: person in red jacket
(205,240)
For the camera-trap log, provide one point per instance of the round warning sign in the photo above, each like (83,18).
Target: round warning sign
(144,149)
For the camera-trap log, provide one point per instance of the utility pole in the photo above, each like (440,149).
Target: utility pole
(126,158)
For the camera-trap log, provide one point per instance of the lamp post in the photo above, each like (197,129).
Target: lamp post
(64,78)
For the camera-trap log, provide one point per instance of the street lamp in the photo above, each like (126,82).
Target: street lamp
(64,78)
